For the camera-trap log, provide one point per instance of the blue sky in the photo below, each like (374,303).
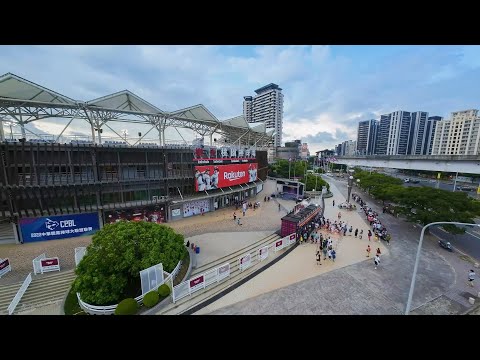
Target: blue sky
(327,89)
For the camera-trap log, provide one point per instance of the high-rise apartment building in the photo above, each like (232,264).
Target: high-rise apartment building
(267,107)
(366,136)
(458,136)
(418,135)
(430,134)
(393,134)
(247,108)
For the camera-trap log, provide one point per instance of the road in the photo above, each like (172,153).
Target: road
(444,185)
(468,243)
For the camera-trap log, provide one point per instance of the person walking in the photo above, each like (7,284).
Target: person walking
(378,252)
(376,260)
(368,251)
(361,234)
(356,232)
(278,207)
(319,256)
(339,215)
(333,203)
(350,230)
(324,251)
(471,277)
(369,235)
(334,255)
(234,216)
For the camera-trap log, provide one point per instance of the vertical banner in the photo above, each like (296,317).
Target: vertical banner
(4,266)
(292,238)
(245,262)
(278,245)
(197,283)
(263,253)
(223,271)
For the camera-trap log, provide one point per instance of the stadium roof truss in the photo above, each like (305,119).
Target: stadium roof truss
(22,102)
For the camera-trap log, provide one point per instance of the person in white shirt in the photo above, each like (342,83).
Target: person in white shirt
(214,178)
(376,260)
(252,172)
(200,181)
(207,179)
(471,277)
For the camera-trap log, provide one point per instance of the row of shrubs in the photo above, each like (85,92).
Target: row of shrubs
(130,306)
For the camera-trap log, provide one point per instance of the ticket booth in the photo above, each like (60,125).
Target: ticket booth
(293,222)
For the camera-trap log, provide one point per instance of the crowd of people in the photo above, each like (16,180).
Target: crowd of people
(379,230)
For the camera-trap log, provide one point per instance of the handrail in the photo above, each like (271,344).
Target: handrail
(19,294)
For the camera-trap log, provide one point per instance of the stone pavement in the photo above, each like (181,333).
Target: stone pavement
(300,264)
(216,245)
(359,288)
(266,218)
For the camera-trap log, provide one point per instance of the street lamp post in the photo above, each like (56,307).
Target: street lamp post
(350,184)
(417,258)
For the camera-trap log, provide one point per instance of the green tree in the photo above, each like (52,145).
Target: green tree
(281,168)
(118,252)
(315,182)
(425,205)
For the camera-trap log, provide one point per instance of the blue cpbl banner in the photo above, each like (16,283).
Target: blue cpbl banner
(58,227)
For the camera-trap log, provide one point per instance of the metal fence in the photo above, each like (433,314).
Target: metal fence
(213,277)
(20,292)
(110,309)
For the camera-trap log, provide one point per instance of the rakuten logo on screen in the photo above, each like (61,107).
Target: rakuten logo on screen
(232,175)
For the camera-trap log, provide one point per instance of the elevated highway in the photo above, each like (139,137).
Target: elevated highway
(442,163)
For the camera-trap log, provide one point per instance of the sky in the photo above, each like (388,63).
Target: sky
(327,89)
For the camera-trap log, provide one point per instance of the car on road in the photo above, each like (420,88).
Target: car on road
(406,180)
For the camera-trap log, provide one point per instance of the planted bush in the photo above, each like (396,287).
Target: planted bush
(127,307)
(109,271)
(163,290)
(151,299)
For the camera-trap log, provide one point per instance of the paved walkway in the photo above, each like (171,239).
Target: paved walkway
(264,219)
(360,289)
(301,264)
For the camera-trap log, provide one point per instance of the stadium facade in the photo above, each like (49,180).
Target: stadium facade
(57,189)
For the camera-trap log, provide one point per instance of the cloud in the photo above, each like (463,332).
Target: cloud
(327,89)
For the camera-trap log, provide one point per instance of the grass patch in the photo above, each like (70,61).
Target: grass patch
(71,304)
(467,258)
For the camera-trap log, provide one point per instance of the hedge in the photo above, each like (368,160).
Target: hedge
(127,307)
(151,299)
(163,290)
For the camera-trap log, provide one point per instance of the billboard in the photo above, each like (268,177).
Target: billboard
(58,227)
(154,214)
(211,177)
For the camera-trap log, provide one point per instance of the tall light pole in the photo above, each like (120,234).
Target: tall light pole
(417,258)
(350,184)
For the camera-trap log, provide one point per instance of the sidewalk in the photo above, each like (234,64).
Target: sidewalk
(300,264)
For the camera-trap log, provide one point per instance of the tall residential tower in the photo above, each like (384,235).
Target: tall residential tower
(267,107)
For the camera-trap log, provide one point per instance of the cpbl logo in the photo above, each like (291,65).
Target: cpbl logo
(51,224)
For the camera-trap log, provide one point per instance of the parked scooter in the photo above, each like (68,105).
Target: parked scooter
(446,245)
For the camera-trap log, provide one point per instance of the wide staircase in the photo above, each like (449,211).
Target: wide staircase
(43,289)
(236,275)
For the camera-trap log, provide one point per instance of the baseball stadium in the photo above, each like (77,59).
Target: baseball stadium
(57,182)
